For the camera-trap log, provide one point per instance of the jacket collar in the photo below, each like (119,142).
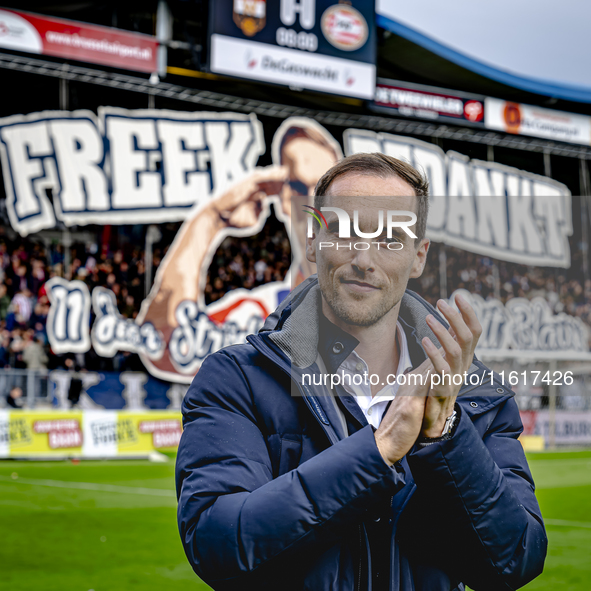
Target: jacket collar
(290,338)
(297,325)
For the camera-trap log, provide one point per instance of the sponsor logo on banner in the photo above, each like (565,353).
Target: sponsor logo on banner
(474,111)
(91,433)
(280,65)
(61,433)
(538,122)
(32,33)
(344,27)
(570,428)
(18,33)
(42,433)
(165,433)
(104,433)
(250,15)
(15,431)
(426,102)
(528,418)
(4,436)
(512,117)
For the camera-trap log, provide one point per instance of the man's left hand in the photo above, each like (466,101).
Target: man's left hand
(455,357)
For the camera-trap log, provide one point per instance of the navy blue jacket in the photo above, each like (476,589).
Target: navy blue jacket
(281,486)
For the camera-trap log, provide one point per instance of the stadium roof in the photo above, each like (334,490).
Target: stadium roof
(493,48)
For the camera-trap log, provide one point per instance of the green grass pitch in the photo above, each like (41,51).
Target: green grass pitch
(110,526)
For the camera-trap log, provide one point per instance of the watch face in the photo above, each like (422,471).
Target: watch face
(449,423)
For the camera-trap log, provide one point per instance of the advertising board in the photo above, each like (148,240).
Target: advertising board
(32,33)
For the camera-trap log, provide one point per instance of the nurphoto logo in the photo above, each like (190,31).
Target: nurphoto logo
(342,226)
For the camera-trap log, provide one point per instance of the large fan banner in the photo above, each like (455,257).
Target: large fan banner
(151,166)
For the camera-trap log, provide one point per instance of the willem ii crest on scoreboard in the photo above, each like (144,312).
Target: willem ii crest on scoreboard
(250,15)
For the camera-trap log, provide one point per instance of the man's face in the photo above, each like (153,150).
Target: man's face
(362,286)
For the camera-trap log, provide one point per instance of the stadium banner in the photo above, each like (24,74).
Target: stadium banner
(527,329)
(538,122)
(428,102)
(570,427)
(87,434)
(307,44)
(483,207)
(151,166)
(522,328)
(33,33)
(122,167)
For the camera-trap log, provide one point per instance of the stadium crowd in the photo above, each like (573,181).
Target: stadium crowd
(249,262)
(565,290)
(26,265)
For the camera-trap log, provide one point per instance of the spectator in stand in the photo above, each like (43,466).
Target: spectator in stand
(13,317)
(21,280)
(4,302)
(33,353)
(130,309)
(38,275)
(4,260)
(15,398)
(57,255)
(76,385)
(5,349)
(23,305)
(15,349)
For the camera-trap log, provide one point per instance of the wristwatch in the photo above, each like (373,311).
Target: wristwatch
(450,422)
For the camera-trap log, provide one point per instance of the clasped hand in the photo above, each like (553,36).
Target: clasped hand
(423,404)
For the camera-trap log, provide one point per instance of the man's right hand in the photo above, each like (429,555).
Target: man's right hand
(402,424)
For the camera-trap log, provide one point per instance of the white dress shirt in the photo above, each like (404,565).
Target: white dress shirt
(373,407)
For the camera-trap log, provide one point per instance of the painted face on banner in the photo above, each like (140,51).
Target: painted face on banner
(361,286)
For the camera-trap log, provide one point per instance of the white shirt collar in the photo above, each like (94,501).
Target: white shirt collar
(374,407)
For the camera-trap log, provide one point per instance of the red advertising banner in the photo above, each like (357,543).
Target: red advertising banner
(23,31)
(425,102)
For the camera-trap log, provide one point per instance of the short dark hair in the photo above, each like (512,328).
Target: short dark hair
(382,166)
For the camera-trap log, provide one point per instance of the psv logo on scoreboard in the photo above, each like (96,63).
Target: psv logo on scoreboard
(344,27)
(250,15)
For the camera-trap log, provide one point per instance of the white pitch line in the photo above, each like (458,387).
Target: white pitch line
(583,524)
(130,490)
(159,492)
